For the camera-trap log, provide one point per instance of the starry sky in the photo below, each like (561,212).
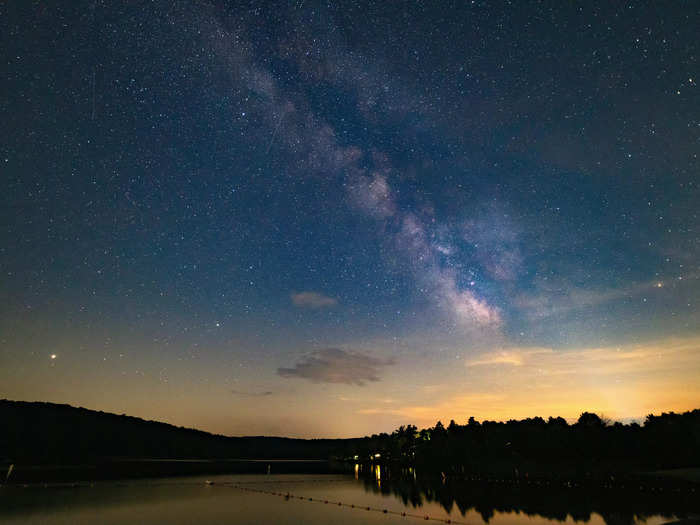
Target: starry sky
(329,219)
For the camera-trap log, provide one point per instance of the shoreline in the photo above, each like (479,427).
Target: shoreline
(116,469)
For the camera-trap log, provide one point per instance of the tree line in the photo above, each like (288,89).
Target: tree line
(61,434)
(516,447)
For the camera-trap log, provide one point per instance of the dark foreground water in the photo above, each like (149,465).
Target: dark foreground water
(315,498)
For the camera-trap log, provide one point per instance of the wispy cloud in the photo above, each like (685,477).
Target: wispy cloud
(333,365)
(622,381)
(244,393)
(561,298)
(600,362)
(313,300)
(426,414)
(504,358)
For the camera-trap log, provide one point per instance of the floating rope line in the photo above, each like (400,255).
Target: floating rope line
(288,495)
(252,482)
(146,482)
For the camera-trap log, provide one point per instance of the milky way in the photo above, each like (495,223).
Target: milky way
(251,217)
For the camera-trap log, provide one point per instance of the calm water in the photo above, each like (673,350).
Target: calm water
(191,500)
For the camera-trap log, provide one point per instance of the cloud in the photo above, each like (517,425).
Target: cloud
(503,358)
(560,298)
(333,365)
(312,300)
(510,357)
(623,381)
(428,414)
(244,393)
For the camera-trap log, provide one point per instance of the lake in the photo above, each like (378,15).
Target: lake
(325,498)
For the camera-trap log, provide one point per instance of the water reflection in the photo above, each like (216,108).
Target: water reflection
(616,506)
(189,500)
(378,475)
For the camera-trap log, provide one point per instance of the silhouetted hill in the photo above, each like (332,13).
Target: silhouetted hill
(36,432)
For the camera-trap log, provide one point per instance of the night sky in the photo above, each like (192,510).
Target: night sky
(317,219)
